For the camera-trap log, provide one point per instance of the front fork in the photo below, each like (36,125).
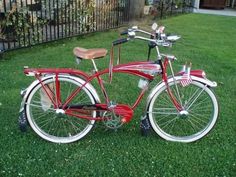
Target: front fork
(145,124)
(176,103)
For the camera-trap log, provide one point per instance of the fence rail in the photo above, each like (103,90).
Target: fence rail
(25,23)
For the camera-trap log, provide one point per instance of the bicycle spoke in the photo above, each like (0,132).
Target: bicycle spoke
(166,111)
(65,129)
(39,106)
(74,126)
(192,126)
(39,116)
(200,103)
(192,96)
(195,99)
(166,101)
(177,93)
(202,108)
(168,122)
(52,124)
(47,121)
(195,126)
(69,91)
(196,118)
(170,130)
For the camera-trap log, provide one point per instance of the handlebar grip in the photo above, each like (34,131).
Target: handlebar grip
(120,41)
(124,33)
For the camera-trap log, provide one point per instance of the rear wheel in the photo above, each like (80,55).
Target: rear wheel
(199,114)
(53,124)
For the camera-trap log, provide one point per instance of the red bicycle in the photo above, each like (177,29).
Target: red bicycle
(61,105)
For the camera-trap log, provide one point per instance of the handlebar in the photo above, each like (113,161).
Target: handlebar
(158,37)
(124,33)
(155,39)
(120,41)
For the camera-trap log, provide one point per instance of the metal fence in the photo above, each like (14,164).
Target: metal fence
(25,23)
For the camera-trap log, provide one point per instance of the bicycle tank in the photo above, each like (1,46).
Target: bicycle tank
(147,69)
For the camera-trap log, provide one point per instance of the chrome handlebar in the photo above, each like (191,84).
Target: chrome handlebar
(158,37)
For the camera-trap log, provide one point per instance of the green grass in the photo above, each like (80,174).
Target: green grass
(207,41)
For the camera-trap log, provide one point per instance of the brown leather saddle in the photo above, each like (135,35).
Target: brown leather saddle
(83,53)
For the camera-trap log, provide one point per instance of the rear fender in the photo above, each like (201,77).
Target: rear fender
(25,93)
(54,71)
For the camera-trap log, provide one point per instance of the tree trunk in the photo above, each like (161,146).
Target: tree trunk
(136,9)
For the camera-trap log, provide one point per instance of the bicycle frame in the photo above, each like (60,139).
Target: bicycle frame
(145,69)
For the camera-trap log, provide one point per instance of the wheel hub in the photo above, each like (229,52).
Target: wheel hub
(183,114)
(60,111)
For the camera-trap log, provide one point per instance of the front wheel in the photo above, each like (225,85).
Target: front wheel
(197,117)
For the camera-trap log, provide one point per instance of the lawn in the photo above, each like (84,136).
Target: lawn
(207,41)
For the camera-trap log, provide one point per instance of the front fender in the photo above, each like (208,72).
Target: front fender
(171,79)
(204,81)
(200,76)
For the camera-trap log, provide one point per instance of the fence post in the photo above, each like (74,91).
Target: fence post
(162,5)
(183,7)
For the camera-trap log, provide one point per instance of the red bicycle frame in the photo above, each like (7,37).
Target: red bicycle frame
(147,70)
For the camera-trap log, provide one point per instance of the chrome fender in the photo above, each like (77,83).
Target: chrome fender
(204,81)
(25,93)
(171,79)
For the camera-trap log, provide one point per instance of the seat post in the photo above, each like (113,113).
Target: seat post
(94,65)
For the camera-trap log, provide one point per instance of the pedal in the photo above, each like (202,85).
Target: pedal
(144,126)
(22,121)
